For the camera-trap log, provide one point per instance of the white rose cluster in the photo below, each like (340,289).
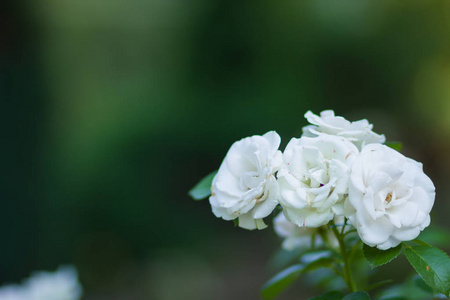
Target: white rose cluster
(336,169)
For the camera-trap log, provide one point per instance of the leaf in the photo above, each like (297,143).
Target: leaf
(377,257)
(280,281)
(378,284)
(433,265)
(324,262)
(357,296)
(333,295)
(312,256)
(418,281)
(395,145)
(202,189)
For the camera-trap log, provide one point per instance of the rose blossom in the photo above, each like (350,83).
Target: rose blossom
(390,197)
(245,186)
(359,132)
(59,285)
(314,179)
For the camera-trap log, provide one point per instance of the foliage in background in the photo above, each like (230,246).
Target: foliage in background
(110,113)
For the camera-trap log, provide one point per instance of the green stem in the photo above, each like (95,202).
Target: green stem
(347,271)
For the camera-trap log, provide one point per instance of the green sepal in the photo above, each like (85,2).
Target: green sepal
(395,145)
(203,188)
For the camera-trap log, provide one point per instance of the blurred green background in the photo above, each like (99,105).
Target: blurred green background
(112,110)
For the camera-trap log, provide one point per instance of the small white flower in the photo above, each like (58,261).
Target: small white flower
(60,285)
(359,132)
(390,198)
(314,179)
(245,186)
(12,292)
(294,236)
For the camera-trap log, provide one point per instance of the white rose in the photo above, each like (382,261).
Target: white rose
(245,186)
(390,197)
(293,235)
(12,292)
(60,285)
(314,179)
(359,132)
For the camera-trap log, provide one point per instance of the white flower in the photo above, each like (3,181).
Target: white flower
(390,197)
(12,292)
(294,236)
(359,132)
(60,285)
(245,186)
(314,179)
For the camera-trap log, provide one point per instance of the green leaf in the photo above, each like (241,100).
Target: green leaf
(324,262)
(418,281)
(357,296)
(312,256)
(395,145)
(433,265)
(377,257)
(378,284)
(202,189)
(333,295)
(280,281)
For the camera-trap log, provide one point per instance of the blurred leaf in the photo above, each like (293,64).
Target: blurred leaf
(395,145)
(280,281)
(407,290)
(310,262)
(357,296)
(325,279)
(435,236)
(378,284)
(433,265)
(377,257)
(236,222)
(312,256)
(333,295)
(324,262)
(283,258)
(418,281)
(202,189)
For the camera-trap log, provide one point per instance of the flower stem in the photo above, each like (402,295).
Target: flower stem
(347,270)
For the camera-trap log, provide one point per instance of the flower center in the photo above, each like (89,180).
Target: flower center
(388,198)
